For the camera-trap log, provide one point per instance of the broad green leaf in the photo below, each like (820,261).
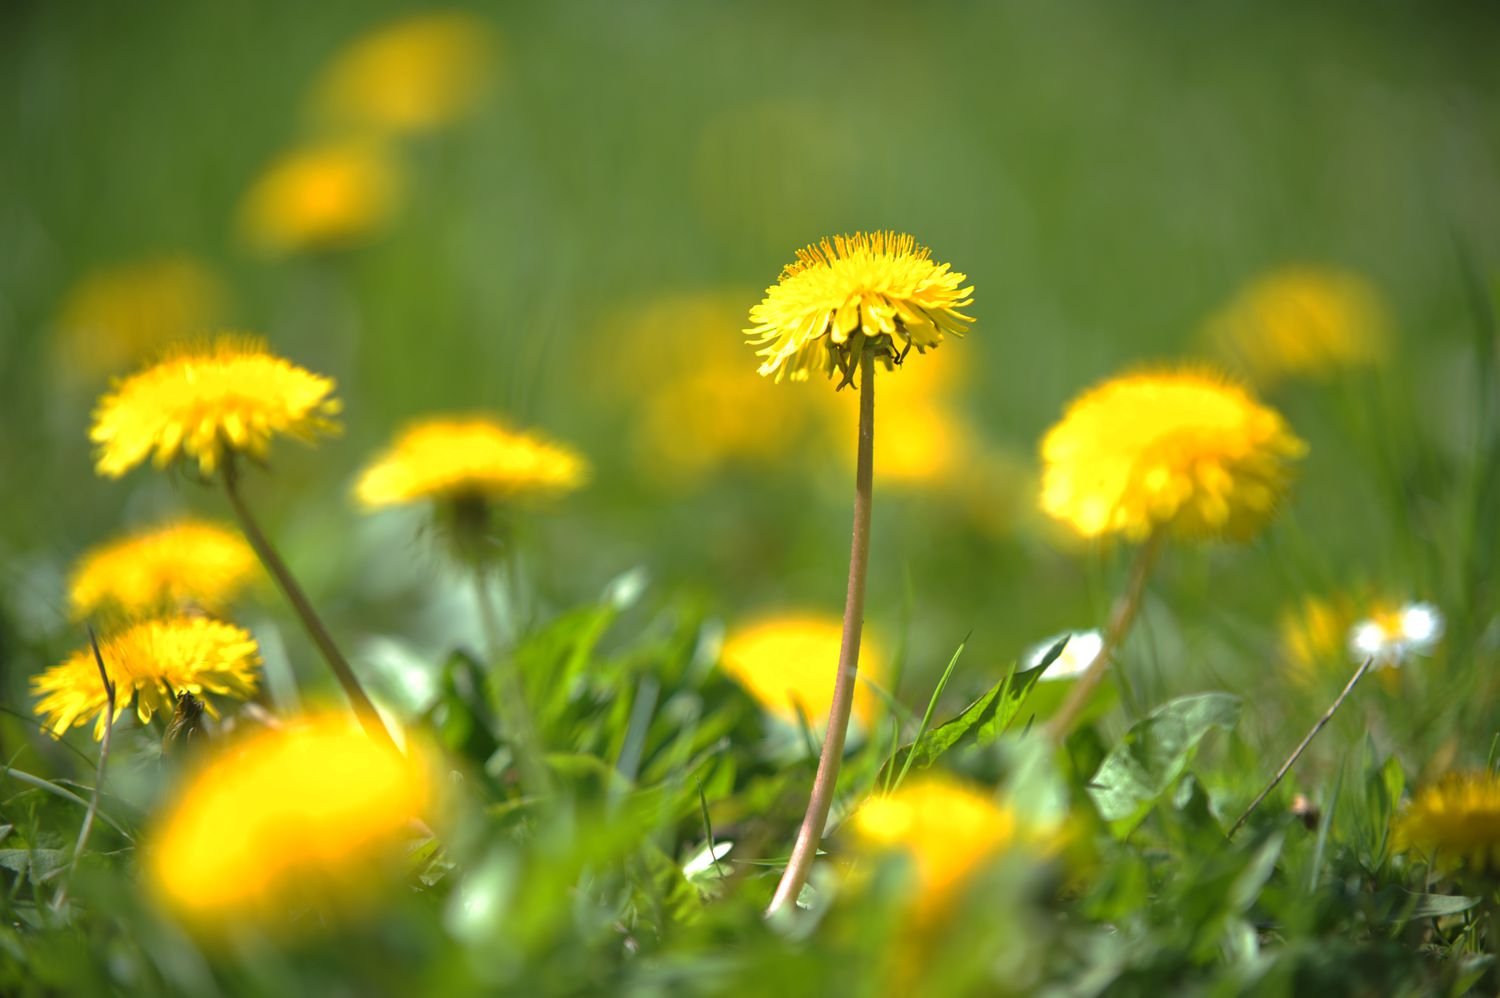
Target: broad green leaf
(1395,904)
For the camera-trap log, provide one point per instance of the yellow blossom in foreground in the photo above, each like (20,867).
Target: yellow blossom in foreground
(306,813)
(468,457)
(321,197)
(790,661)
(176,566)
(877,292)
(1302,322)
(1182,449)
(149,662)
(410,75)
(206,399)
(1458,819)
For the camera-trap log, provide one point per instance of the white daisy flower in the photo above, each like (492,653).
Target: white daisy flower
(1393,636)
(1077,655)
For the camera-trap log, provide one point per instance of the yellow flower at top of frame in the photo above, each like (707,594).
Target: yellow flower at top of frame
(207,399)
(1457,819)
(789,661)
(410,75)
(312,812)
(321,197)
(870,292)
(175,566)
(149,662)
(464,457)
(1181,449)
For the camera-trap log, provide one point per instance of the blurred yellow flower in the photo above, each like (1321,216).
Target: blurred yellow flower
(468,457)
(1457,819)
(1182,449)
(1303,321)
(410,75)
(1314,635)
(206,399)
(118,316)
(150,662)
(176,566)
(877,292)
(789,661)
(305,813)
(322,197)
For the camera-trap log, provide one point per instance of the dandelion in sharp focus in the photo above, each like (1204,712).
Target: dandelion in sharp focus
(176,566)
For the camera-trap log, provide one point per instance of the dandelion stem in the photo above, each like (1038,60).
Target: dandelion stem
(1121,618)
(93,808)
(516,711)
(821,800)
(369,718)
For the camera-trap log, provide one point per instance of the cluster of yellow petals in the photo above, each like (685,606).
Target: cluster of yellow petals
(325,196)
(468,457)
(149,662)
(1457,819)
(205,400)
(1183,449)
(878,292)
(789,661)
(176,566)
(304,813)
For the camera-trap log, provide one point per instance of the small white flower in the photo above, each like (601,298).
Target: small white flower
(1394,636)
(706,859)
(1077,655)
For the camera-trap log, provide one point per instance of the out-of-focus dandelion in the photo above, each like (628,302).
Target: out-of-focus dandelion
(310,813)
(843,306)
(1077,655)
(323,197)
(118,316)
(149,662)
(782,661)
(1392,636)
(1185,452)
(181,565)
(1302,322)
(410,75)
(1314,635)
(1457,819)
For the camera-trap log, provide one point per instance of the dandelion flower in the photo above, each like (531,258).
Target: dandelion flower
(1077,655)
(1314,634)
(205,400)
(1458,819)
(150,662)
(1179,449)
(304,813)
(787,662)
(877,293)
(323,197)
(187,563)
(1392,636)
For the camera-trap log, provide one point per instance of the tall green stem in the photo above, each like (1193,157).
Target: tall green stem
(821,800)
(514,708)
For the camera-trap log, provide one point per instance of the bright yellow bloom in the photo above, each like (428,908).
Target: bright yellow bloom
(312,812)
(877,292)
(1458,819)
(1180,449)
(790,661)
(468,457)
(150,662)
(1302,322)
(322,197)
(117,317)
(176,566)
(205,400)
(410,75)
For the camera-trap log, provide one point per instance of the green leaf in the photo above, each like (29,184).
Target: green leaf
(1397,905)
(1154,753)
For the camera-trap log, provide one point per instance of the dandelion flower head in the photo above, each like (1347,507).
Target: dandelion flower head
(1391,636)
(149,662)
(208,399)
(175,566)
(323,197)
(306,812)
(1456,818)
(1181,449)
(787,663)
(1315,635)
(878,292)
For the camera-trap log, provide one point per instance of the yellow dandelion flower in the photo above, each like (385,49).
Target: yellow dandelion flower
(118,316)
(1457,819)
(468,457)
(411,75)
(1302,321)
(879,293)
(304,813)
(208,399)
(323,197)
(788,661)
(1180,449)
(149,662)
(1314,635)
(175,566)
